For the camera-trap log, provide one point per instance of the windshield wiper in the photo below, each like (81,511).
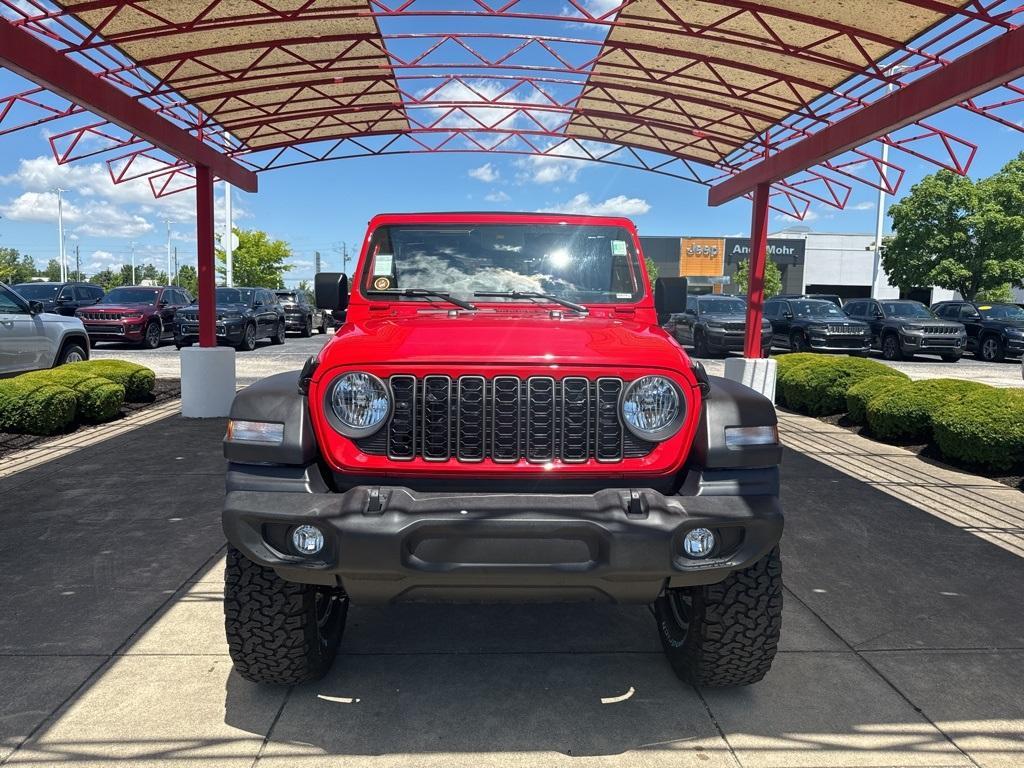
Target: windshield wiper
(532,295)
(427,293)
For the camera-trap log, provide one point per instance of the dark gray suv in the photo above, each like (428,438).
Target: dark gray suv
(901,329)
(815,325)
(715,325)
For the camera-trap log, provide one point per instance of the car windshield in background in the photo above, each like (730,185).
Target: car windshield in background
(131,296)
(234,295)
(288,298)
(38,291)
(816,308)
(1001,312)
(905,309)
(588,264)
(722,306)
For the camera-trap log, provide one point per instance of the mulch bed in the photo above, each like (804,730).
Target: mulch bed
(165,389)
(1013,477)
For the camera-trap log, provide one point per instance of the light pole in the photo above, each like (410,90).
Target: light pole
(876,267)
(60,234)
(228,250)
(168,223)
(133,263)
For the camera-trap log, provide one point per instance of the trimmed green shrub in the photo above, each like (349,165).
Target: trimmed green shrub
(787,368)
(98,399)
(36,408)
(858,396)
(819,387)
(906,413)
(138,380)
(983,427)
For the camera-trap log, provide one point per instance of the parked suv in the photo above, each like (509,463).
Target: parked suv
(995,331)
(834,298)
(301,314)
(31,339)
(902,328)
(715,325)
(502,419)
(815,325)
(139,314)
(61,298)
(244,315)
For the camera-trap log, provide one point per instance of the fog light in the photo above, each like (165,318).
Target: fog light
(698,543)
(308,540)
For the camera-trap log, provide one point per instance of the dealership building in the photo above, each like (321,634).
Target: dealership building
(810,262)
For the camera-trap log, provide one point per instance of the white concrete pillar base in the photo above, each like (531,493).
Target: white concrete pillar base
(207,382)
(757,374)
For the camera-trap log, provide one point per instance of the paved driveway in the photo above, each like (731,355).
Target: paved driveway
(903,644)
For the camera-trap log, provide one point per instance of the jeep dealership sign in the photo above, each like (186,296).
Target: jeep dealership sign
(780,250)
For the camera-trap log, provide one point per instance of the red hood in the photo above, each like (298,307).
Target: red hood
(486,338)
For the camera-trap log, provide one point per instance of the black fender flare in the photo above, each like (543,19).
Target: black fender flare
(274,399)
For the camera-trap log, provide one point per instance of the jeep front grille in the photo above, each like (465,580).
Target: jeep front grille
(100,315)
(505,419)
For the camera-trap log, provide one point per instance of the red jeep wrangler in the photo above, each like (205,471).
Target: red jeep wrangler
(501,418)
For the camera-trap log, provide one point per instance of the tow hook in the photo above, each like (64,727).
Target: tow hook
(638,505)
(376,500)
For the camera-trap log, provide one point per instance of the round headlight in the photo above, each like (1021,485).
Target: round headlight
(359,404)
(652,408)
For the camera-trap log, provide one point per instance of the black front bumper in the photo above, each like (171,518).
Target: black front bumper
(733,341)
(391,543)
(228,332)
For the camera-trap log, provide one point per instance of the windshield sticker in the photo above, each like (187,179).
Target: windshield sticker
(382,283)
(623,295)
(382,264)
(618,247)
(985,307)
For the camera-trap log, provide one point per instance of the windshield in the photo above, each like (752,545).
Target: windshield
(722,306)
(905,309)
(131,296)
(234,295)
(288,298)
(815,309)
(577,263)
(1001,312)
(38,291)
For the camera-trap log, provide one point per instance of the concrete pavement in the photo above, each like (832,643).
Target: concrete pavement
(903,643)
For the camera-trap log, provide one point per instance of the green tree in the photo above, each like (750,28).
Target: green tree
(1004,294)
(959,234)
(52,271)
(188,278)
(151,274)
(652,270)
(125,275)
(772,278)
(107,278)
(257,261)
(15,267)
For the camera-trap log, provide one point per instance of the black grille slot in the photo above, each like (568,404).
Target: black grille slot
(505,419)
(609,429)
(437,395)
(471,418)
(402,427)
(575,420)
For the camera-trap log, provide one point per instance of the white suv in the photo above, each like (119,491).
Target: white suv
(31,339)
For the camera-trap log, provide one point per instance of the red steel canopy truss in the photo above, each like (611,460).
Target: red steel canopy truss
(733,94)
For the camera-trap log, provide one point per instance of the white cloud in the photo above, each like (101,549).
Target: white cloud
(548,169)
(486,173)
(497,197)
(811,215)
(620,205)
(100,260)
(866,205)
(38,206)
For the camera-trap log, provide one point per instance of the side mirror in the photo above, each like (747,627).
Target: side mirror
(788,315)
(162,303)
(258,303)
(35,307)
(331,290)
(669,296)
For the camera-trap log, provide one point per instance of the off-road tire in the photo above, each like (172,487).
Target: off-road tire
(732,632)
(271,624)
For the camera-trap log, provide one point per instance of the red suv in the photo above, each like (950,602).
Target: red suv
(501,418)
(140,314)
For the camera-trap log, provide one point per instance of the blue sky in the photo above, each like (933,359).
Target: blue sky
(319,207)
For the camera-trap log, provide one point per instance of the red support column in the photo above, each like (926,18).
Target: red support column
(758,259)
(204,251)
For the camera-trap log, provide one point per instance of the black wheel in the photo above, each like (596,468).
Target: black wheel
(71,352)
(798,342)
(152,338)
(280,336)
(248,342)
(950,358)
(323,324)
(724,634)
(307,329)
(992,349)
(891,347)
(279,632)
(700,345)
